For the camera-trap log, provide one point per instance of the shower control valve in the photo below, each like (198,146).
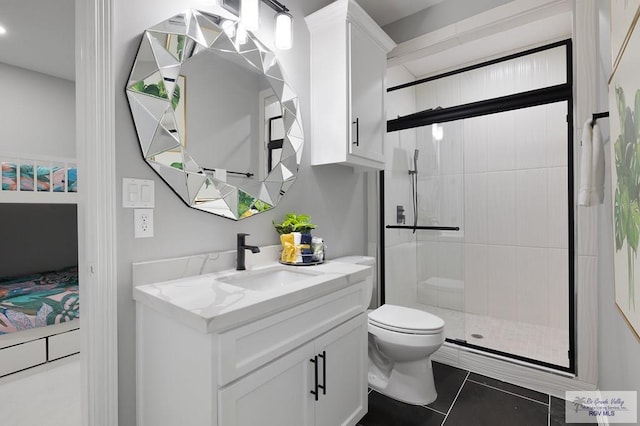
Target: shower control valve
(400,216)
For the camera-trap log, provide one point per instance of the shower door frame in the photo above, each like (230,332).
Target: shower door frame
(527,99)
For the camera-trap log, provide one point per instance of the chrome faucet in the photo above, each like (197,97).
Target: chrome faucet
(241,248)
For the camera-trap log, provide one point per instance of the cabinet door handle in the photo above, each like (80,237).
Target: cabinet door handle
(357,123)
(323,386)
(315,368)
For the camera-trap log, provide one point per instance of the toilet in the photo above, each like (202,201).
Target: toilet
(401,342)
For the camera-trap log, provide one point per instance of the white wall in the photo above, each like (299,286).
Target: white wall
(618,347)
(38,112)
(332,195)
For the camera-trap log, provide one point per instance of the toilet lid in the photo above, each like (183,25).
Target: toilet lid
(406,320)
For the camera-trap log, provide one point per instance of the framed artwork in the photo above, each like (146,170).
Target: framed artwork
(623,14)
(624,107)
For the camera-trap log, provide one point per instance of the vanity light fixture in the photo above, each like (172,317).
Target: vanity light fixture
(250,18)
(284,33)
(250,14)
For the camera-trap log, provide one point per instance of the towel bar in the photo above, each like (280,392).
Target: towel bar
(430,228)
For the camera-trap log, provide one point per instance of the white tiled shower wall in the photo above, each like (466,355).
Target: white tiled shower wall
(501,178)
(515,210)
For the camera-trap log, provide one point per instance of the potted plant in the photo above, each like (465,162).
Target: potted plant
(295,223)
(295,249)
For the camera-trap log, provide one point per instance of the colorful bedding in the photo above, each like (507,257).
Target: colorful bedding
(47,178)
(38,300)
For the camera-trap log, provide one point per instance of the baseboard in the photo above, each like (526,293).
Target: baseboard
(530,376)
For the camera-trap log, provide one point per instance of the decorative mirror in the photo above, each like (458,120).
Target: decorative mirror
(214,114)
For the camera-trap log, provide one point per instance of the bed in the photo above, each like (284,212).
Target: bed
(39,319)
(39,312)
(38,300)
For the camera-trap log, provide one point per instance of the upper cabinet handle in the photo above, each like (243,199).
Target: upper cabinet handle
(356,142)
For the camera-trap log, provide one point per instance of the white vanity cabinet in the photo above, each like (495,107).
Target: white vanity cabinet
(348,68)
(303,365)
(320,383)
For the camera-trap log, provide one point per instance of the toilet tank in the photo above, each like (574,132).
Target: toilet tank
(367,261)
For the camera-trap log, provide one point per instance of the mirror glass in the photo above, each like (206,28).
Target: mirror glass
(214,115)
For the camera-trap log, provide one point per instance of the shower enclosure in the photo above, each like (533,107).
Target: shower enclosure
(478,195)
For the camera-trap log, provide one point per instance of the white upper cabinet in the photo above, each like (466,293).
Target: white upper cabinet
(348,67)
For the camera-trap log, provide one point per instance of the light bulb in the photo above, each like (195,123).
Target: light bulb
(3,30)
(250,14)
(284,34)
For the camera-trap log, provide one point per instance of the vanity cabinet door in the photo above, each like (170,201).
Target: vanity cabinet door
(277,394)
(343,373)
(367,68)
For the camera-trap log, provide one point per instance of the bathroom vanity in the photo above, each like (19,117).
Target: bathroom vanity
(272,346)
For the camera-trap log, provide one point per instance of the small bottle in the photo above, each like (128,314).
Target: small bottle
(317,246)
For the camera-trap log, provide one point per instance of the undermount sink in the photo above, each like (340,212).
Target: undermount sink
(265,280)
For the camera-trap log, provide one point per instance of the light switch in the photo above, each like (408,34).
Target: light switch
(146,193)
(137,193)
(133,192)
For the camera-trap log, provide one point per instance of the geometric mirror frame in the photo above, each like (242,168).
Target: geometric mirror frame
(154,92)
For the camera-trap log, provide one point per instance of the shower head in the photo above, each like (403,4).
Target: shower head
(415,160)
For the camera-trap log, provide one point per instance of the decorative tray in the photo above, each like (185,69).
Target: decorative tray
(315,262)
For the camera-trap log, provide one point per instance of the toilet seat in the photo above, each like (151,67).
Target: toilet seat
(401,319)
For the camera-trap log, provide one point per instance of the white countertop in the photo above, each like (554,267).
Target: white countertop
(208,305)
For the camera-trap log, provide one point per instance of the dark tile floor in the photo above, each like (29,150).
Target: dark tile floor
(466,398)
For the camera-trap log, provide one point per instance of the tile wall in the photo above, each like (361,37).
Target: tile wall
(515,216)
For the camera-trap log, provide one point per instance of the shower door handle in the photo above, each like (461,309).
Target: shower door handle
(356,142)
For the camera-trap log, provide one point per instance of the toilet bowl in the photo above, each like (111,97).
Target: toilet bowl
(401,342)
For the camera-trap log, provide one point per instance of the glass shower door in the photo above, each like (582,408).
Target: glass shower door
(479,209)
(424,250)
(490,250)
(440,213)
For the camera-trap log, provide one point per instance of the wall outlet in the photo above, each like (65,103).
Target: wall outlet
(143,223)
